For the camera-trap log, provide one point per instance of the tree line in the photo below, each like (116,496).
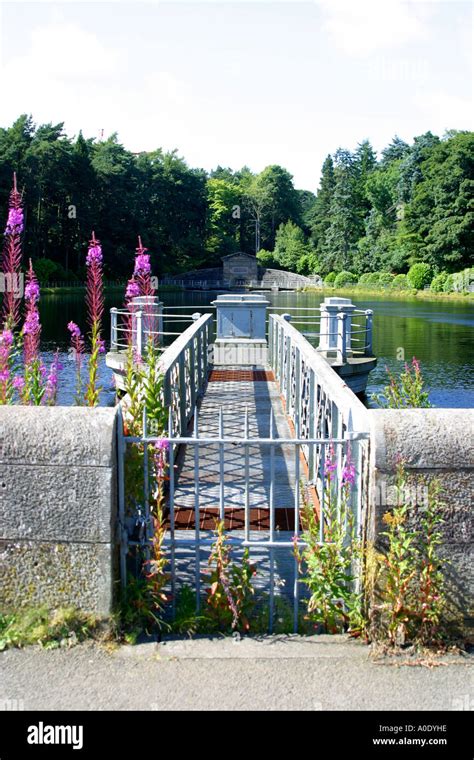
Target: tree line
(413,205)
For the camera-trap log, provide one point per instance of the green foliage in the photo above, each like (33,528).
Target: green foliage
(223,199)
(448,286)
(405,392)
(291,247)
(386,279)
(369,279)
(411,584)
(230,594)
(48,628)
(419,275)
(186,621)
(344,279)
(400,282)
(330,278)
(437,283)
(328,568)
(267,259)
(414,205)
(45,269)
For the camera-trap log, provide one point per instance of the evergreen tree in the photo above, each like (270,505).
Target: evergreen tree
(345,227)
(319,215)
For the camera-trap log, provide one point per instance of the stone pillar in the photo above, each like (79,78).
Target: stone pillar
(241,329)
(150,322)
(330,308)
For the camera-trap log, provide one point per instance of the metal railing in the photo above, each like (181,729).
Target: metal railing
(328,420)
(185,368)
(138,327)
(353,334)
(271,543)
(319,403)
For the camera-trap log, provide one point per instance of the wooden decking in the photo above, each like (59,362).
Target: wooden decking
(239,391)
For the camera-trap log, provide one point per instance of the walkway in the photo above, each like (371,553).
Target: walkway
(239,392)
(276,673)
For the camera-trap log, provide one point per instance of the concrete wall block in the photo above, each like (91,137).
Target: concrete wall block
(38,573)
(57,435)
(435,444)
(456,496)
(426,438)
(59,503)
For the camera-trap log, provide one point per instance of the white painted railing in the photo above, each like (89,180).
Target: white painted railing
(320,405)
(185,368)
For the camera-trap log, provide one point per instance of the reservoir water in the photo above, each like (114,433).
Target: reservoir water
(439,333)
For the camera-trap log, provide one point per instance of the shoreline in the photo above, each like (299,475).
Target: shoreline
(400,295)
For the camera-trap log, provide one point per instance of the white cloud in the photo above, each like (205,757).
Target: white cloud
(361,27)
(63,51)
(445,111)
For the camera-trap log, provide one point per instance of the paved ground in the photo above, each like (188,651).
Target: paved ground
(275,673)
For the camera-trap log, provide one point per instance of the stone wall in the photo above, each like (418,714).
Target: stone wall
(436,444)
(58,485)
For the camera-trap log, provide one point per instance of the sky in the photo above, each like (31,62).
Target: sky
(241,83)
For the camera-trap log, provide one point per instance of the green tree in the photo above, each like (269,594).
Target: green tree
(291,249)
(318,216)
(346,227)
(223,218)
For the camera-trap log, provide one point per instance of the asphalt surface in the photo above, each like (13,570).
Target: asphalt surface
(274,673)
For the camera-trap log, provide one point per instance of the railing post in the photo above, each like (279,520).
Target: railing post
(288,374)
(182,394)
(139,326)
(312,424)
(368,332)
(341,337)
(192,373)
(270,341)
(297,401)
(167,397)
(205,350)
(113,329)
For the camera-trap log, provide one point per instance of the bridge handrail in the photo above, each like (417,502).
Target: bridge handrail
(353,411)
(185,366)
(321,406)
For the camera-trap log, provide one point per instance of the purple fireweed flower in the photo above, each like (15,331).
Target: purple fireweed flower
(52,380)
(11,256)
(349,471)
(6,338)
(15,222)
(32,326)
(18,383)
(74,330)
(32,292)
(161,447)
(94,255)
(4,375)
(330,464)
(95,288)
(415,364)
(142,264)
(133,290)
(101,344)
(32,323)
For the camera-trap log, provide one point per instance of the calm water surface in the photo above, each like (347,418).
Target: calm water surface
(439,334)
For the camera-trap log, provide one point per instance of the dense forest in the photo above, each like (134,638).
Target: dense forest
(413,204)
